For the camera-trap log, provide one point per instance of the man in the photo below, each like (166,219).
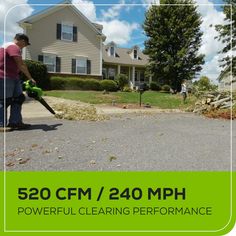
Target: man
(11,53)
(184,90)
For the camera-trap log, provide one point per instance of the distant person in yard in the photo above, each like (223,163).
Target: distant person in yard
(11,64)
(184,91)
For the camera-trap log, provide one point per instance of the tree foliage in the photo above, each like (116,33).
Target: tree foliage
(227,35)
(204,84)
(122,80)
(174,38)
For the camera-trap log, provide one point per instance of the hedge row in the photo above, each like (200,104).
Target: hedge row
(39,73)
(157,87)
(72,83)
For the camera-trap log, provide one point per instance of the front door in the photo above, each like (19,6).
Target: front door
(139,77)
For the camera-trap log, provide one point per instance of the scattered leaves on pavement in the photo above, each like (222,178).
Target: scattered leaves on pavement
(11,154)
(9,164)
(92,162)
(104,139)
(24,161)
(46,151)
(111,158)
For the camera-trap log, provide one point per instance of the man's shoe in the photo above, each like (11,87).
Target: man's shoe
(5,129)
(19,126)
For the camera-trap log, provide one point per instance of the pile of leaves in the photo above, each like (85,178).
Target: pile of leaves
(78,112)
(223,114)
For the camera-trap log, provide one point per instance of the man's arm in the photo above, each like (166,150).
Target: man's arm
(23,68)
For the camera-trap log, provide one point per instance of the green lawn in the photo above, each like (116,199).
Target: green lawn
(157,99)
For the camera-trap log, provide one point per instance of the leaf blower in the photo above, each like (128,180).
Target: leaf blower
(35,92)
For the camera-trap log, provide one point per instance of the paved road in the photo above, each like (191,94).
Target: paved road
(130,142)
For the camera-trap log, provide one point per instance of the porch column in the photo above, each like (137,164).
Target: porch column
(118,69)
(133,75)
(150,79)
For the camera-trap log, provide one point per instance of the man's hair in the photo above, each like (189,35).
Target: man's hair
(24,37)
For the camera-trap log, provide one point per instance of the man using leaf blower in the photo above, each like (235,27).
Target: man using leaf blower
(11,64)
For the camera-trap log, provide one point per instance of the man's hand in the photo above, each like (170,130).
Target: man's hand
(33,81)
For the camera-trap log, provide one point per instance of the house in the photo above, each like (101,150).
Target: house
(65,40)
(131,62)
(227,81)
(69,43)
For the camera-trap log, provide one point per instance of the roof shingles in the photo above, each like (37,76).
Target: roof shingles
(124,58)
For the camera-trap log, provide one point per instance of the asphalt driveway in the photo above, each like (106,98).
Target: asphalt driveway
(154,142)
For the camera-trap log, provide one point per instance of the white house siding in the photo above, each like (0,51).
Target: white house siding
(227,83)
(43,38)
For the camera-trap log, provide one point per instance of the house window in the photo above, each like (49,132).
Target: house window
(104,73)
(81,66)
(111,73)
(67,32)
(142,77)
(50,62)
(135,54)
(112,51)
(136,78)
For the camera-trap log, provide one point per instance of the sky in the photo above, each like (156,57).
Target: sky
(122,23)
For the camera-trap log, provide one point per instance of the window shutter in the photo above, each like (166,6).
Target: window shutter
(73,68)
(40,58)
(88,66)
(58,64)
(58,31)
(75,34)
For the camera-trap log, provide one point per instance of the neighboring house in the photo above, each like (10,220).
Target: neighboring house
(65,40)
(131,62)
(69,43)
(227,81)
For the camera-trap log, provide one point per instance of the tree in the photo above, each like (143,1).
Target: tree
(122,80)
(226,37)
(174,38)
(203,83)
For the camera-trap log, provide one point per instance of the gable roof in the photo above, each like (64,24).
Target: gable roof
(123,57)
(50,10)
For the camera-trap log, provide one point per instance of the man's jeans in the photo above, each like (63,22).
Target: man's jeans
(13,89)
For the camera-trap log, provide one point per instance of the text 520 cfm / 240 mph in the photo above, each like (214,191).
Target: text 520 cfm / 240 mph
(113,193)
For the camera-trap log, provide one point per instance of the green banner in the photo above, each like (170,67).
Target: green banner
(123,203)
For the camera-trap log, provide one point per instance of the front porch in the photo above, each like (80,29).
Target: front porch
(136,75)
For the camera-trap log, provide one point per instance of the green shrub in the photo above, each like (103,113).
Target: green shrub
(166,88)
(127,89)
(58,83)
(109,85)
(155,86)
(77,83)
(204,84)
(122,80)
(38,72)
(74,83)
(92,84)
(146,86)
